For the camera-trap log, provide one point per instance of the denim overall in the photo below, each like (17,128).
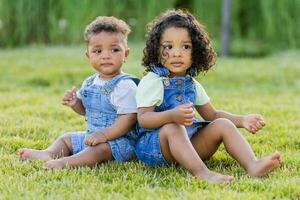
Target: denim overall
(100,113)
(177,91)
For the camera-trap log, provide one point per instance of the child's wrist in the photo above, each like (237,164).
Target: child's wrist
(170,116)
(242,121)
(105,136)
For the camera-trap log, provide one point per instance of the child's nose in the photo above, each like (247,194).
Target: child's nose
(176,52)
(105,54)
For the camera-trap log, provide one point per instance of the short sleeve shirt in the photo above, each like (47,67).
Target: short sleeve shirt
(150,91)
(122,96)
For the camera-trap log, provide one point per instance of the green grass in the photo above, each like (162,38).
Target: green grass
(32,82)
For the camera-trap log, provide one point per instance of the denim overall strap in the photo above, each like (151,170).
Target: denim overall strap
(163,71)
(192,72)
(108,87)
(135,80)
(160,70)
(90,80)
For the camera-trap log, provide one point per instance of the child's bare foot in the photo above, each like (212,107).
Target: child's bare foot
(214,177)
(55,164)
(33,154)
(263,166)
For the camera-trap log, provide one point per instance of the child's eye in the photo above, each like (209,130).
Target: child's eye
(167,46)
(98,51)
(187,46)
(115,50)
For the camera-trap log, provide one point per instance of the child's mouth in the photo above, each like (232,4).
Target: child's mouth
(106,64)
(177,64)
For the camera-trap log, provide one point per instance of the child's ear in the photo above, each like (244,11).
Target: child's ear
(87,54)
(127,52)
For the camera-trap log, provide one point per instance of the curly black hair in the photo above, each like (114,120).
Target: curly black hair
(203,54)
(108,24)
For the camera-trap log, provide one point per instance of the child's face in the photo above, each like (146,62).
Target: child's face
(107,52)
(176,50)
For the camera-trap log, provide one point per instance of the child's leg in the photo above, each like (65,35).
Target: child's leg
(90,156)
(207,141)
(60,148)
(176,147)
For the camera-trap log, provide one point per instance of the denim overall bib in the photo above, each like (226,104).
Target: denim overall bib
(101,113)
(177,91)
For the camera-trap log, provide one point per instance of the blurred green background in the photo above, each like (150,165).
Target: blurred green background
(258,27)
(42,55)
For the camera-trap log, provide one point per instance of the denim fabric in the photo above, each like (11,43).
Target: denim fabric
(77,139)
(100,113)
(177,91)
(122,148)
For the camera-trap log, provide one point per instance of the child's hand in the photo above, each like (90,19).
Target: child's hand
(95,138)
(70,98)
(253,122)
(183,114)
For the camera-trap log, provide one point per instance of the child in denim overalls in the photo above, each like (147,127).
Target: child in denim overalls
(177,49)
(107,99)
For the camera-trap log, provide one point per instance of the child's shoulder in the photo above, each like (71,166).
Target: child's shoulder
(196,81)
(125,87)
(151,82)
(89,80)
(131,78)
(150,76)
(128,82)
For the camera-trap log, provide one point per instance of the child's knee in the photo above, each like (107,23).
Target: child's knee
(224,124)
(172,129)
(66,138)
(103,149)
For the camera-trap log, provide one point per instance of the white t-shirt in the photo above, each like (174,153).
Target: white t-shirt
(150,91)
(122,97)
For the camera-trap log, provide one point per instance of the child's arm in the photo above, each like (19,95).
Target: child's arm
(150,119)
(122,125)
(70,99)
(251,122)
(78,107)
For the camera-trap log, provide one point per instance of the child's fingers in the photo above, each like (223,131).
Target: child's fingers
(189,116)
(188,110)
(262,123)
(186,105)
(260,119)
(188,122)
(67,97)
(73,89)
(87,141)
(258,125)
(253,129)
(65,102)
(250,129)
(94,143)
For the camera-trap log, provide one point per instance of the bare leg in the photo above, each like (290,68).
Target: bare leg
(88,157)
(176,147)
(61,147)
(207,141)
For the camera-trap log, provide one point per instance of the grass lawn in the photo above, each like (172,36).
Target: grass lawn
(33,80)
